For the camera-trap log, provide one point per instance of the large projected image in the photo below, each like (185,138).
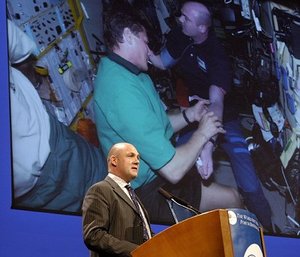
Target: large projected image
(60,140)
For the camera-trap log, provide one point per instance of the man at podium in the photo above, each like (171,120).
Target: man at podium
(114,220)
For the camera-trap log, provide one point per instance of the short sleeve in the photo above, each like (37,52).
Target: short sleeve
(220,72)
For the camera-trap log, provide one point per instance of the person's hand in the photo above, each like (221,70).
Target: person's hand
(206,168)
(150,54)
(155,60)
(210,125)
(196,112)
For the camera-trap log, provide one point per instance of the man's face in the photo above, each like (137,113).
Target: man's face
(188,21)
(140,58)
(127,164)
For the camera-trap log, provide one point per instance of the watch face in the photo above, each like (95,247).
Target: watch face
(247,123)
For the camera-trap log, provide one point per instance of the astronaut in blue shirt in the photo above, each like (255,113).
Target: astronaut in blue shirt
(205,68)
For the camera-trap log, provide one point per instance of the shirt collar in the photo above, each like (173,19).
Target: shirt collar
(123,62)
(121,183)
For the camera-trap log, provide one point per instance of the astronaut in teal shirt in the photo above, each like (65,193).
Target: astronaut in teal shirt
(128,109)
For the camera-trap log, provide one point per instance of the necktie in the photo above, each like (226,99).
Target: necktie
(137,206)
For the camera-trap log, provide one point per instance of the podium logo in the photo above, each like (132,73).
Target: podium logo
(253,251)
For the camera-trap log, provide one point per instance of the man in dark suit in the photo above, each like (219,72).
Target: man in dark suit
(112,224)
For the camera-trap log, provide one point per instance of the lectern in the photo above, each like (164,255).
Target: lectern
(218,233)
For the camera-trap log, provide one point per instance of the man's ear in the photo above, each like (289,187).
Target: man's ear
(203,28)
(127,35)
(113,160)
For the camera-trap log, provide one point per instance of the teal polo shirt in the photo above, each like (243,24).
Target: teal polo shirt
(128,109)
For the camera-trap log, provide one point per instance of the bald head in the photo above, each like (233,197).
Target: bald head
(123,161)
(195,21)
(199,12)
(115,150)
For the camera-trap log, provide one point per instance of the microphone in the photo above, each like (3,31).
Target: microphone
(178,200)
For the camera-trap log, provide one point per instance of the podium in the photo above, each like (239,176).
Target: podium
(215,233)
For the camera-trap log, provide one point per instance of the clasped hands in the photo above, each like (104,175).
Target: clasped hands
(209,126)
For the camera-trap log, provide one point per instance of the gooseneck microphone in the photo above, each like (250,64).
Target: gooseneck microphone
(177,200)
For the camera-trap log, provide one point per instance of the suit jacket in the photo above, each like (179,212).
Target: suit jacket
(111,223)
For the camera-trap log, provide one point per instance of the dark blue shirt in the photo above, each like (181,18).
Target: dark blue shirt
(200,65)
